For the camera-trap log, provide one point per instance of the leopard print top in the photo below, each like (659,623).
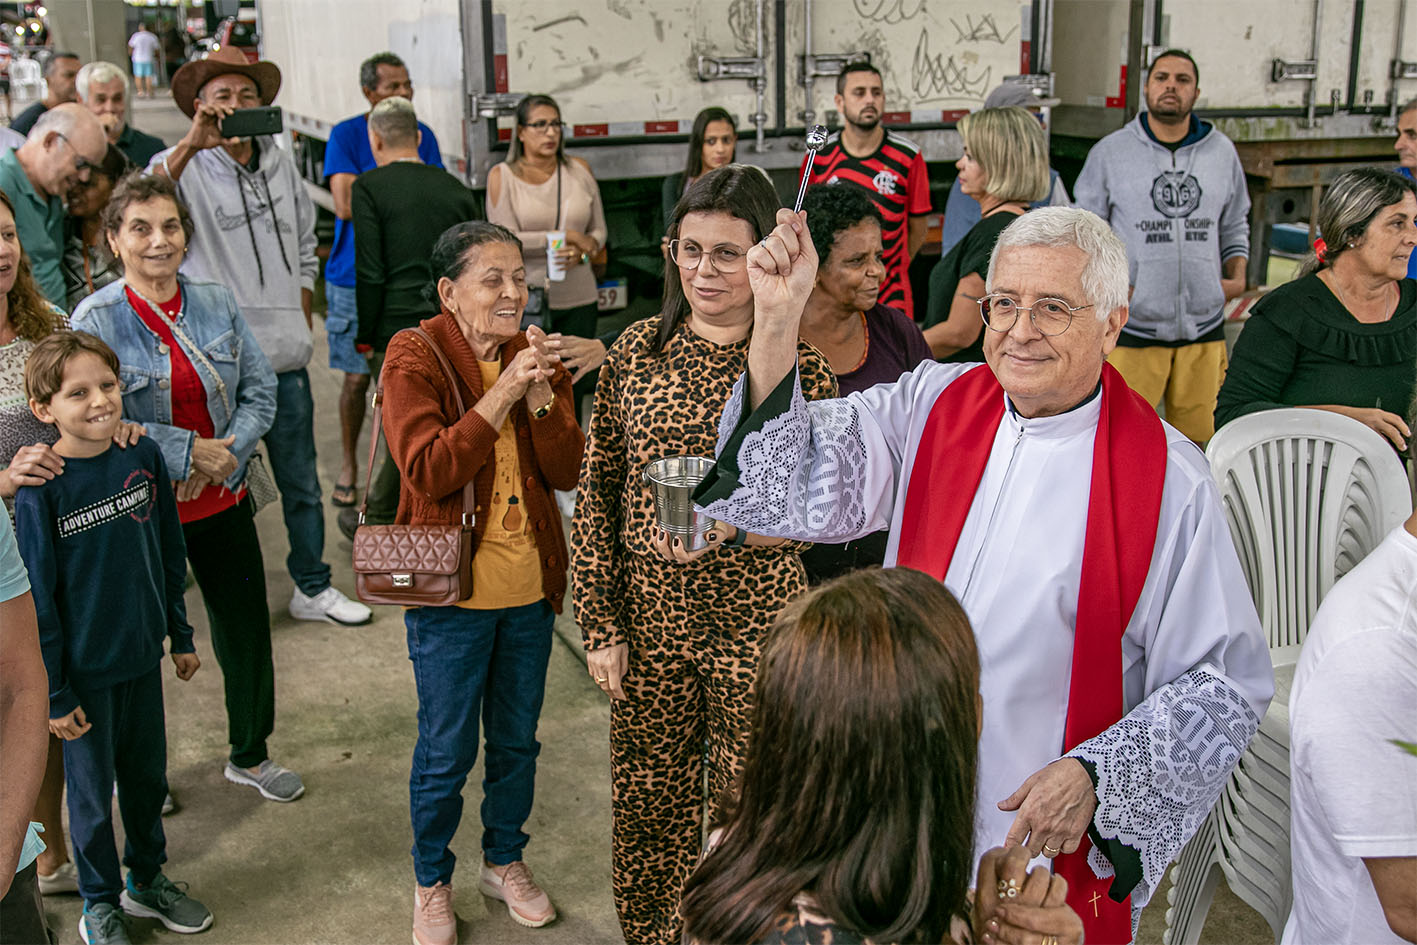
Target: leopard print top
(648,406)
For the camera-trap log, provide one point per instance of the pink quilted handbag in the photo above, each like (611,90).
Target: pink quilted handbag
(414,565)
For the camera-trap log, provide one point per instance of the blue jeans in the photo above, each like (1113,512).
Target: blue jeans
(290,445)
(467,662)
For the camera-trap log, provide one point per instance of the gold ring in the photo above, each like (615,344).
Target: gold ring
(1008,889)
(602,679)
(1050,852)
(1050,940)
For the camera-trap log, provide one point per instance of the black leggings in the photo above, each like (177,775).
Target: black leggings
(225,555)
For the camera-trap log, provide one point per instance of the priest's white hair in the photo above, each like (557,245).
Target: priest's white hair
(1105,278)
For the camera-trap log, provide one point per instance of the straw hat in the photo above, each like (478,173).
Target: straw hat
(189,79)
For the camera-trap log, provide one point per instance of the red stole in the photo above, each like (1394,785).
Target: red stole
(1128,472)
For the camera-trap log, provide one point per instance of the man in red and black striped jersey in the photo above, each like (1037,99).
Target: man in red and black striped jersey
(886,166)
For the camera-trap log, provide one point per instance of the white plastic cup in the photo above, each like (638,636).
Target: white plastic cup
(555,240)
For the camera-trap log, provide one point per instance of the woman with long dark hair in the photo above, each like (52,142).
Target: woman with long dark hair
(675,645)
(1343,335)
(854,816)
(713,143)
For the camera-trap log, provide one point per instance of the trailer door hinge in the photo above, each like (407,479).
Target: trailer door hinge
(731,67)
(827,65)
(493,104)
(1302,69)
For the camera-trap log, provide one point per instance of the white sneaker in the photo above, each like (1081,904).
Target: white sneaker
(64,879)
(329,605)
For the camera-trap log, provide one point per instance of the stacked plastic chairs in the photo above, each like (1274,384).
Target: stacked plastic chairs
(26,76)
(1308,493)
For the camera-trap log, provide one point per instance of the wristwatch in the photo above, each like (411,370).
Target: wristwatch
(739,539)
(540,412)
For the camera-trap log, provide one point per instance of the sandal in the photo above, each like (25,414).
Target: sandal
(342,495)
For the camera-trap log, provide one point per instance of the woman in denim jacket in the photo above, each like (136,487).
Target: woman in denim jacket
(194,376)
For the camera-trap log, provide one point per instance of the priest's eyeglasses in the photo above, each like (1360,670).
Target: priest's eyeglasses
(1049,316)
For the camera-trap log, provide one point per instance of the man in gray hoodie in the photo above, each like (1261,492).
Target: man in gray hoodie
(255,234)
(1174,190)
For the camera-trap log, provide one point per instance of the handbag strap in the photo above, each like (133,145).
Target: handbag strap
(468,495)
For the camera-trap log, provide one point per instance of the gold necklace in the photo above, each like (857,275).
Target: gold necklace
(1344,300)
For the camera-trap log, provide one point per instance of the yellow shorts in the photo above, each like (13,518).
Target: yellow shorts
(1184,380)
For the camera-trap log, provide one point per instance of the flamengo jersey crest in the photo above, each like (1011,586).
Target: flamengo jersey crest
(1175,193)
(884,182)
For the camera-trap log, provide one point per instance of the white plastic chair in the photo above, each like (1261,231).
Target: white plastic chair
(1307,493)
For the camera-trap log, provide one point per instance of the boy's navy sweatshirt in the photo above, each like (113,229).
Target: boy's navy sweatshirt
(107,565)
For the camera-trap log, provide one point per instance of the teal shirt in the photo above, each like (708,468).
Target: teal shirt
(40,222)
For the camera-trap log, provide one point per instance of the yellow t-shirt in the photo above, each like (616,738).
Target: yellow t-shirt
(506,568)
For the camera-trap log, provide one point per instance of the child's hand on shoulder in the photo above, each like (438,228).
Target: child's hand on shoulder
(72,726)
(187,664)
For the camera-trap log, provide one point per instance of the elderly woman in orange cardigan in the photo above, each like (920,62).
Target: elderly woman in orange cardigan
(484,657)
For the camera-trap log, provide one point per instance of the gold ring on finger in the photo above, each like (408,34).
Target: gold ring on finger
(1051,851)
(1049,940)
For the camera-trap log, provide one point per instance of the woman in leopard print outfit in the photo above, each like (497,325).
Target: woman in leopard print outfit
(676,645)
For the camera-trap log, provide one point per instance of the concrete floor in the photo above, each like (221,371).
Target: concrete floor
(334,866)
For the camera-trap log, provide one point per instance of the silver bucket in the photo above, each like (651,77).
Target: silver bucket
(672,481)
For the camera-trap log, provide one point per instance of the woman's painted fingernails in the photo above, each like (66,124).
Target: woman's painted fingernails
(712,537)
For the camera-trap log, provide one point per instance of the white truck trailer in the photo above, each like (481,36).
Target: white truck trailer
(1307,88)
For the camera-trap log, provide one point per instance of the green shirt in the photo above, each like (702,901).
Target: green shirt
(40,222)
(1301,347)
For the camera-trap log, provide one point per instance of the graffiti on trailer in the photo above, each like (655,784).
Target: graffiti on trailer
(984,31)
(889,12)
(934,77)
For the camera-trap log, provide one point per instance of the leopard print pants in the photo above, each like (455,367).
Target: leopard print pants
(695,634)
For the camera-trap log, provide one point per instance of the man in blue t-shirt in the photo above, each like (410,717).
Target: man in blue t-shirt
(347,155)
(1406,148)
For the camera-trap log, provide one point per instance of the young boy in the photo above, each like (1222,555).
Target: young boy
(107,568)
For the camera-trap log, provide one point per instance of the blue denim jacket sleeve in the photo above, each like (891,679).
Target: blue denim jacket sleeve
(255,397)
(175,443)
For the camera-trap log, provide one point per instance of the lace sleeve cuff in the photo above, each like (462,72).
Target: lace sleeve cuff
(735,426)
(1158,772)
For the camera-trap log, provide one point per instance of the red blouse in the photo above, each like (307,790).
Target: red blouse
(189,401)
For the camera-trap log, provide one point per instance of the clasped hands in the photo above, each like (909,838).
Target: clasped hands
(1018,906)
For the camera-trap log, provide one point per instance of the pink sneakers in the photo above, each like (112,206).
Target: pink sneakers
(433,920)
(526,902)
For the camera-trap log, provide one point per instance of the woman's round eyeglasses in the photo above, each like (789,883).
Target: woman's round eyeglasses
(688,255)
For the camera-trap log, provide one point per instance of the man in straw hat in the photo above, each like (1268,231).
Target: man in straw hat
(255,234)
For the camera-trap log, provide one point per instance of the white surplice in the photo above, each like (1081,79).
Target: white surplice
(1195,665)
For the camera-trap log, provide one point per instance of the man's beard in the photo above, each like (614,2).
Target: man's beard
(1170,112)
(865,124)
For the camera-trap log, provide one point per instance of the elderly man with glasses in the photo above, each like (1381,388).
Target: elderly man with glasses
(1123,667)
(64,146)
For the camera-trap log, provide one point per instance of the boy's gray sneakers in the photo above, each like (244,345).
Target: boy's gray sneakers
(103,925)
(165,901)
(274,782)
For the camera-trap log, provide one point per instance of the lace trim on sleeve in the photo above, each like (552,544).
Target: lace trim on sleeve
(1161,768)
(800,474)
